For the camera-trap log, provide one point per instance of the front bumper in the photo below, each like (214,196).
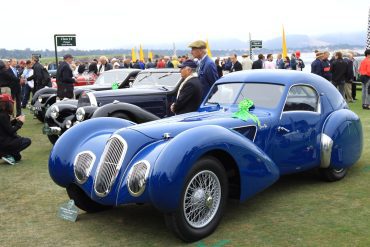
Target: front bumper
(47,130)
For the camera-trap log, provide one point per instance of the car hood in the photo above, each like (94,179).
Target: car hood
(177,124)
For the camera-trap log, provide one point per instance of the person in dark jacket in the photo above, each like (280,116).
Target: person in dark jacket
(326,64)
(37,76)
(207,71)
(10,143)
(316,66)
(189,96)
(258,64)
(236,65)
(219,68)
(16,87)
(104,65)
(6,78)
(93,67)
(339,69)
(65,78)
(349,80)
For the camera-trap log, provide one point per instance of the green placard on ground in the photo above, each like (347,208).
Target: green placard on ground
(66,40)
(68,211)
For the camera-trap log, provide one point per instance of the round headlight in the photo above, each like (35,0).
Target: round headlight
(137,178)
(39,99)
(54,111)
(68,124)
(80,114)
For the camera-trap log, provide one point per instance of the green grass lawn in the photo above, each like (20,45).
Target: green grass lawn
(299,210)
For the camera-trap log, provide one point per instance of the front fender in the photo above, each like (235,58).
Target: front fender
(65,149)
(257,171)
(344,129)
(136,114)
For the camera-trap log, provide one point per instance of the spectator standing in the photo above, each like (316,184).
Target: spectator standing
(168,63)
(300,63)
(93,68)
(219,68)
(207,71)
(258,64)
(226,65)
(37,76)
(10,143)
(149,64)
(175,62)
(326,64)
(16,89)
(279,62)
(29,85)
(293,62)
(6,78)
(189,95)
(349,80)
(287,63)
(104,65)
(355,74)
(269,64)
(141,64)
(161,64)
(236,65)
(65,78)
(364,72)
(247,62)
(317,65)
(339,69)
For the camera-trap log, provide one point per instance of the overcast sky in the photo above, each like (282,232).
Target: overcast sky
(101,24)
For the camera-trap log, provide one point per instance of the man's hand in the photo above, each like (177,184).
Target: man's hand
(21,118)
(173,107)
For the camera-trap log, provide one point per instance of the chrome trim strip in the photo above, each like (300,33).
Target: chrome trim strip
(92,99)
(326,146)
(90,167)
(145,178)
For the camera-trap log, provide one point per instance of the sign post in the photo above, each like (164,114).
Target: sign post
(63,40)
(253,44)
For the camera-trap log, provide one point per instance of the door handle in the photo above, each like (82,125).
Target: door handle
(282,129)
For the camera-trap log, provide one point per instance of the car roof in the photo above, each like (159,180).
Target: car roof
(121,70)
(161,71)
(278,76)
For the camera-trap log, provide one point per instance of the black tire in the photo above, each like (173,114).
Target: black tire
(53,138)
(332,174)
(82,201)
(177,221)
(41,116)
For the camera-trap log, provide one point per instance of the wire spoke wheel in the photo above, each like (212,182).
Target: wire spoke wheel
(202,199)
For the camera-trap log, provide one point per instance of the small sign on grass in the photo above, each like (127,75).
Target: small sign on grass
(68,211)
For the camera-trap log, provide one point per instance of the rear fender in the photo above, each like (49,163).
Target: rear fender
(136,114)
(341,140)
(68,146)
(257,171)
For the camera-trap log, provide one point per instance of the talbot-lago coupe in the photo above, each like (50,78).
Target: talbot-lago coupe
(252,128)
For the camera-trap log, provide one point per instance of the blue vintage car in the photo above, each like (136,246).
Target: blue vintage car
(188,165)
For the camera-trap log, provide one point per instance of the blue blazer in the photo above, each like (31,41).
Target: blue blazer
(207,74)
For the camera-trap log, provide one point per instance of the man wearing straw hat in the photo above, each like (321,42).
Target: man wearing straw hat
(316,66)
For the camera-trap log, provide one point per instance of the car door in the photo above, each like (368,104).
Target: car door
(295,140)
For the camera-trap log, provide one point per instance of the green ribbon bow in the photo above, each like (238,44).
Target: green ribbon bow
(244,114)
(115,85)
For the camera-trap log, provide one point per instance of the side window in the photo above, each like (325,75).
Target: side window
(302,98)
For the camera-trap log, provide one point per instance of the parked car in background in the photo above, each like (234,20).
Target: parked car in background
(149,98)
(46,97)
(253,127)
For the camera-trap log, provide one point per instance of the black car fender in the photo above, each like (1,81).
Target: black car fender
(133,112)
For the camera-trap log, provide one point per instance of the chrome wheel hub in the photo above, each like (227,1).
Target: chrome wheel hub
(202,199)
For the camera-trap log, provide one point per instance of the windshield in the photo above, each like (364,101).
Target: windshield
(165,80)
(109,77)
(262,95)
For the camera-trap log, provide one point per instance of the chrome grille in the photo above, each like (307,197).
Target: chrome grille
(110,164)
(82,166)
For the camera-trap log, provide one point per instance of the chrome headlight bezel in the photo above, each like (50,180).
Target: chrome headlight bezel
(80,114)
(138,178)
(82,169)
(68,124)
(54,111)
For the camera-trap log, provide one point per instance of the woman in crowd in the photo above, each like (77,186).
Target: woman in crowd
(10,143)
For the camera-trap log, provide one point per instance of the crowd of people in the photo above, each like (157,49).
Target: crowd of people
(24,78)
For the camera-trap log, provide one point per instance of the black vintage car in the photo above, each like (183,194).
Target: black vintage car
(150,98)
(46,97)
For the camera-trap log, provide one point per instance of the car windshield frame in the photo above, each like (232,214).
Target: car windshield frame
(124,74)
(235,99)
(145,80)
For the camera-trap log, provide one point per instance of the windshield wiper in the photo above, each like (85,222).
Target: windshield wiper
(164,76)
(144,77)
